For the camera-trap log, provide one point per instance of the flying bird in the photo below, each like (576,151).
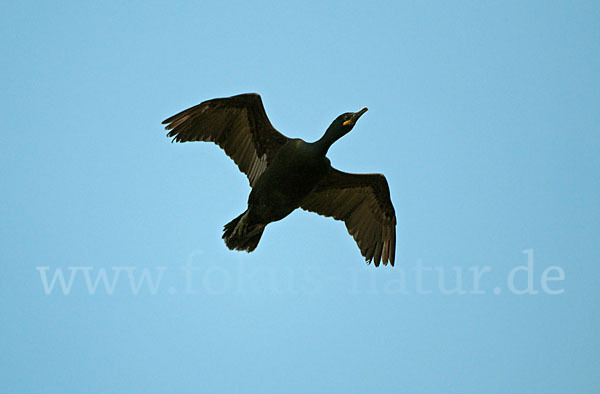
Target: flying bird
(289,173)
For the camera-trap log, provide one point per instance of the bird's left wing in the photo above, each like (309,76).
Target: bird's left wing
(363,202)
(237,124)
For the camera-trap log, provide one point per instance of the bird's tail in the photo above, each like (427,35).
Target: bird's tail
(241,235)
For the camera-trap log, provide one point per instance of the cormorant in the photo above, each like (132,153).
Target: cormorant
(289,173)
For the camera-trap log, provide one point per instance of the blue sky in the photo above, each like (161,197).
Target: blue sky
(482,115)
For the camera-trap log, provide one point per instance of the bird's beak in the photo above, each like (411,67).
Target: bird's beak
(358,114)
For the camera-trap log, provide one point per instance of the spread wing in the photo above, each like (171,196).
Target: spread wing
(237,124)
(363,202)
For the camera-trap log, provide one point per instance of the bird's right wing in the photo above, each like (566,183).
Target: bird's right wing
(237,124)
(363,202)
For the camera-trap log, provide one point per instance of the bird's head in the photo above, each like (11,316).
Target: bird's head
(347,121)
(338,128)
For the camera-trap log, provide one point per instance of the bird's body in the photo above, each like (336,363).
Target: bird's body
(294,172)
(289,173)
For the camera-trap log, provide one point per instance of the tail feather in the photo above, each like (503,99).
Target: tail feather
(241,235)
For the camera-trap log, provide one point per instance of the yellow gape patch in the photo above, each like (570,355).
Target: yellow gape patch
(346,123)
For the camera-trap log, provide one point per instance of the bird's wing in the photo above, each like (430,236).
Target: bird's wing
(237,124)
(363,202)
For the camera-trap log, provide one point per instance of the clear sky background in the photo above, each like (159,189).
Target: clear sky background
(482,115)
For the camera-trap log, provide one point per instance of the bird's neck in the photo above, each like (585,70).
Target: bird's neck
(331,135)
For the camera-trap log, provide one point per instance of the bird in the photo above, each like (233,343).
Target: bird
(289,173)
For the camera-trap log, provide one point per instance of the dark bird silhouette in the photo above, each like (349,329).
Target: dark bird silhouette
(289,173)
